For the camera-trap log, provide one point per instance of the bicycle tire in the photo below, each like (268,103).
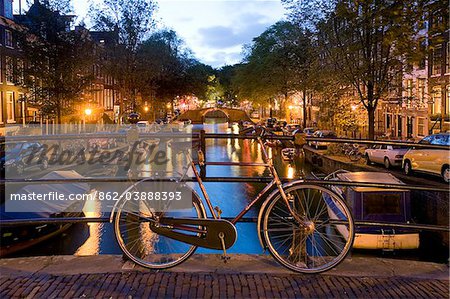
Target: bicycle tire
(354,156)
(147,254)
(321,248)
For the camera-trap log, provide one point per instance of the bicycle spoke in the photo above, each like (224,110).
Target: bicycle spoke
(316,246)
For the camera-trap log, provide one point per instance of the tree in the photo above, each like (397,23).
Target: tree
(369,43)
(225,76)
(61,6)
(132,20)
(277,64)
(167,68)
(57,62)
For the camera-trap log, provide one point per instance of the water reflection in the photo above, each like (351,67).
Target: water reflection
(92,244)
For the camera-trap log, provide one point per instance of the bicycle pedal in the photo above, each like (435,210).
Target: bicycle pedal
(225,258)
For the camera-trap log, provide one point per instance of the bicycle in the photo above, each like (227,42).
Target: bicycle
(352,152)
(307,228)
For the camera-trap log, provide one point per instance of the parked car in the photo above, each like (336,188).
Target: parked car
(270,122)
(309,131)
(291,128)
(388,155)
(23,156)
(322,134)
(143,126)
(433,161)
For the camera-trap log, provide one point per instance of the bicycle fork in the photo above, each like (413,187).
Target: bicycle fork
(305,224)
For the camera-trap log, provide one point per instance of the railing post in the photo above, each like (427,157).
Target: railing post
(203,149)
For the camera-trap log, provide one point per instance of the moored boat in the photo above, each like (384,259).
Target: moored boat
(377,205)
(20,237)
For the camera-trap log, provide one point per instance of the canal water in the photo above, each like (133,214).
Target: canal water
(98,238)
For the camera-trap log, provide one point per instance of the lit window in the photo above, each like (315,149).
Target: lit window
(1,107)
(421,90)
(447,65)
(437,98)
(10,106)
(409,92)
(20,71)
(9,69)
(447,104)
(421,126)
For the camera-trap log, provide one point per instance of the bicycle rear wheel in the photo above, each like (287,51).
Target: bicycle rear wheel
(319,245)
(145,247)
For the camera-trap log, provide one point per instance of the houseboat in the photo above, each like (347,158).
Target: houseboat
(20,237)
(377,205)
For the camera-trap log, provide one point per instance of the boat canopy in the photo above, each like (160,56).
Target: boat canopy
(43,208)
(371,177)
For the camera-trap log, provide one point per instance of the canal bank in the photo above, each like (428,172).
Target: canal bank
(428,207)
(207,276)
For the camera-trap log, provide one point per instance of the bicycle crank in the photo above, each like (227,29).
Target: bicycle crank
(207,233)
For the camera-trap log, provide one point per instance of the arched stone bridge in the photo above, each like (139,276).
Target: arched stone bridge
(198,116)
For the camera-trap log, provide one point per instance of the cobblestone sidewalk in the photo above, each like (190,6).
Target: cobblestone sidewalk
(213,285)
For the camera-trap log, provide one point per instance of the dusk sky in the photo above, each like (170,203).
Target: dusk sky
(215,30)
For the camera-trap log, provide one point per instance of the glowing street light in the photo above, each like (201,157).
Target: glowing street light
(88,111)
(146,109)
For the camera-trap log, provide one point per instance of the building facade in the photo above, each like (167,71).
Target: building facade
(439,68)
(12,97)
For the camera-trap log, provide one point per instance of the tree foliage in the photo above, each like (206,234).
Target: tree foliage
(132,21)
(167,69)
(58,62)
(369,43)
(277,64)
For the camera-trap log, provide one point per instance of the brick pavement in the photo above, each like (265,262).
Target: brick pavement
(165,284)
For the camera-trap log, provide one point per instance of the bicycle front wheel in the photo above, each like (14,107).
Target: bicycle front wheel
(355,156)
(317,242)
(145,247)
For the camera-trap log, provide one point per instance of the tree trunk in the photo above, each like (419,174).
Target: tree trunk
(371,110)
(304,109)
(371,123)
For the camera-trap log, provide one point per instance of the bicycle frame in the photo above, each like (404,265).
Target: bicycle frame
(267,163)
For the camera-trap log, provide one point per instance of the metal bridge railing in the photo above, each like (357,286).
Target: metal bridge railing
(202,136)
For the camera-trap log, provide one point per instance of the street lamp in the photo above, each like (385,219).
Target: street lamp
(88,111)
(146,109)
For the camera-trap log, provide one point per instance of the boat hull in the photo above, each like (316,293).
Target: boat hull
(386,241)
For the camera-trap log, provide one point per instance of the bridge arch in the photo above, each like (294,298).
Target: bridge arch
(198,116)
(215,113)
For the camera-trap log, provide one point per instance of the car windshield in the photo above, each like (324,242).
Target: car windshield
(441,140)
